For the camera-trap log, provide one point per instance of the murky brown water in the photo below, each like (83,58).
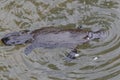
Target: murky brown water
(99,60)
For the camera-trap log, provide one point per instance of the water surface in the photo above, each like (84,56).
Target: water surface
(99,60)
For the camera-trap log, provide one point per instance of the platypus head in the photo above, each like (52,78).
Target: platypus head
(14,38)
(96,35)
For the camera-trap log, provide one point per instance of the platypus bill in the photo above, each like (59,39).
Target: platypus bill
(52,37)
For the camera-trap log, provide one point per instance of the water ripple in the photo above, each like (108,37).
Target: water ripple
(98,60)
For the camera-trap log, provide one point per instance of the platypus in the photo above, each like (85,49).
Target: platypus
(52,37)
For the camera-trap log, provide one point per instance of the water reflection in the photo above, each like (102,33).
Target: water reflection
(99,60)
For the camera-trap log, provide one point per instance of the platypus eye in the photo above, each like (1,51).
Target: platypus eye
(89,36)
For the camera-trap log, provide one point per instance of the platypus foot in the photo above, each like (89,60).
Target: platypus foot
(72,55)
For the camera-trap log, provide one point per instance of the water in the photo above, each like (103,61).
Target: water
(99,60)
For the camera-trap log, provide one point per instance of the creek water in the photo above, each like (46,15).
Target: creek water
(98,60)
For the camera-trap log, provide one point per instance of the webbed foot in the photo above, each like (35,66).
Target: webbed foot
(72,55)
(29,49)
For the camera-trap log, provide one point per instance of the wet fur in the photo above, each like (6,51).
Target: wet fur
(35,36)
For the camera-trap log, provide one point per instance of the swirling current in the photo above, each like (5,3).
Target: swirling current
(98,60)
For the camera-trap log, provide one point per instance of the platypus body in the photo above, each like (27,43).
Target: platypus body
(52,37)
